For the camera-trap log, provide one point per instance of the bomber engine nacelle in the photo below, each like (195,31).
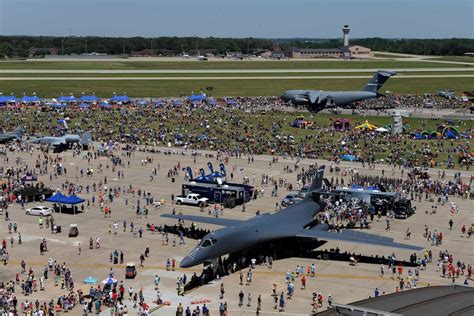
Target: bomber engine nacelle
(300,101)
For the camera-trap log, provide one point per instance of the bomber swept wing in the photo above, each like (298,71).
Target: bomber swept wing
(56,141)
(51,140)
(206,220)
(351,235)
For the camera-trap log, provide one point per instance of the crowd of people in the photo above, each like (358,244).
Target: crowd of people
(251,125)
(222,128)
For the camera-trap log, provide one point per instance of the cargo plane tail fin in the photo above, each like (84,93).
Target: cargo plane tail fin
(377,81)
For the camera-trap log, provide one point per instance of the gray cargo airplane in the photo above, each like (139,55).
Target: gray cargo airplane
(15,134)
(317,100)
(67,139)
(298,220)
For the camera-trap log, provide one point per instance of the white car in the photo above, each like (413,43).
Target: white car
(39,210)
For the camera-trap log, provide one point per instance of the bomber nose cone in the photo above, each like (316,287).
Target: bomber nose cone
(187,262)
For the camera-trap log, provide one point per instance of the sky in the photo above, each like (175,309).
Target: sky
(239,18)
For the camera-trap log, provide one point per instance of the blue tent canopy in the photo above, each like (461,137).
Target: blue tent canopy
(57,198)
(109,281)
(60,198)
(348,157)
(73,200)
(84,105)
(230,101)
(197,97)
(7,98)
(105,105)
(89,98)
(120,98)
(30,99)
(67,98)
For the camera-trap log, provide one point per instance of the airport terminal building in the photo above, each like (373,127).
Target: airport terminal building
(346,51)
(351,51)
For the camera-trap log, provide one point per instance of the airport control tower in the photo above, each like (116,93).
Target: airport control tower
(345,31)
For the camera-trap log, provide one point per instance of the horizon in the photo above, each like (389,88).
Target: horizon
(247,37)
(264,19)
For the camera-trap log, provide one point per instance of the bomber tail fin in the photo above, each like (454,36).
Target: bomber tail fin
(18,132)
(317,183)
(377,81)
(86,138)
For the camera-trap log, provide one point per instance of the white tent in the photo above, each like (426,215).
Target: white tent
(381,130)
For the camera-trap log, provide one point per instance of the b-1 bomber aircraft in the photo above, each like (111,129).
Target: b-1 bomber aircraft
(297,220)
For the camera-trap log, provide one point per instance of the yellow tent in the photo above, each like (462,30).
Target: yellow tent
(366,125)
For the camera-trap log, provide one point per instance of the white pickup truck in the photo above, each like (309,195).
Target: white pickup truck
(192,199)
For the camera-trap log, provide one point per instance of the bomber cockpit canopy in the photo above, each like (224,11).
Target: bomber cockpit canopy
(208,242)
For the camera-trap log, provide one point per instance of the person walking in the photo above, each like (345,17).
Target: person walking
(222,291)
(282,302)
(241,298)
(179,310)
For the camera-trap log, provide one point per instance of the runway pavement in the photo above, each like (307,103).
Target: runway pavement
(220,78)
(215,71)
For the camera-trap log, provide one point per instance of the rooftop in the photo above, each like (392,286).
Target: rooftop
(434,300)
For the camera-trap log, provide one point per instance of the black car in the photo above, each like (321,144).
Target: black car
(403,208)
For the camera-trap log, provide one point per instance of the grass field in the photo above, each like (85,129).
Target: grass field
(229,87)
(257,64)
(163,88)
(462,59)
(261,132)
(390,56)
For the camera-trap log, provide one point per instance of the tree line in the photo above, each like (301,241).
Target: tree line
(22,46)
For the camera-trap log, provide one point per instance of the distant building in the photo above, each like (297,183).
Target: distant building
(315,53)
(35,51)
(347,51)
(358,51)
(147,52)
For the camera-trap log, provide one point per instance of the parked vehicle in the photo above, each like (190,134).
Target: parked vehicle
(73,230)
(403,208)
(192,199)
(39,211)
(290,199)
(130,270)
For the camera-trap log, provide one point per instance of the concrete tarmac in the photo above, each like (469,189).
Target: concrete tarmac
(220,78)
(346,283)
